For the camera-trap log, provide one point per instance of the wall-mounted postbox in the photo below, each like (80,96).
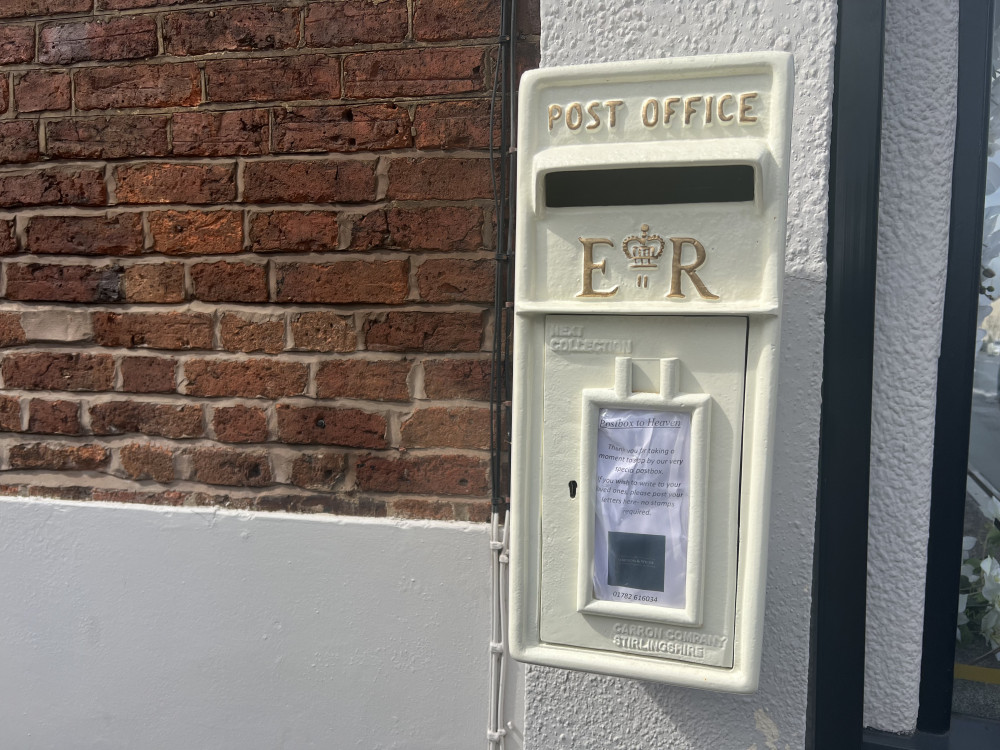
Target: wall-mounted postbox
(650,245)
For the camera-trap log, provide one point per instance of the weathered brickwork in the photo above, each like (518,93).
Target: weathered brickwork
(247,252)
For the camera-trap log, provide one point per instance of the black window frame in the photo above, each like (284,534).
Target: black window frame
(836,720)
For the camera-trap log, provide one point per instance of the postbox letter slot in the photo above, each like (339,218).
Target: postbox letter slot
(649,186)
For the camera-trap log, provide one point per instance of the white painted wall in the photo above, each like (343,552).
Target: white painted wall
(136,627)
(587,712)
(918,141)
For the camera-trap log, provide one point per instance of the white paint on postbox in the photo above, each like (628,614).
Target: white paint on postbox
(650,253)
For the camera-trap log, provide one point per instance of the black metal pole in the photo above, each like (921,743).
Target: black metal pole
(956,365)
(841,564)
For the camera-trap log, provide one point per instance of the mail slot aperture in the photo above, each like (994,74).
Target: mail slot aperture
(649,186)
(650,250)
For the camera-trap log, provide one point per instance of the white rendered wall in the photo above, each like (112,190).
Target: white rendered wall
(918,139)
(587,712)
(133,627)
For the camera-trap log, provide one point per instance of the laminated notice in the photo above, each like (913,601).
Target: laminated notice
(642,502)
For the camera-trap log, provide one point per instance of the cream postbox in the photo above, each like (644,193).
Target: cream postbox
(650,251)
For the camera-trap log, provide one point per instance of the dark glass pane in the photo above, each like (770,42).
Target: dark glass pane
(977,658)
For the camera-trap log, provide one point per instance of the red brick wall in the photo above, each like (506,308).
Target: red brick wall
(247,252)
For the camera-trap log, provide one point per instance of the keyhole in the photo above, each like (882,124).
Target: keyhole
(572,488)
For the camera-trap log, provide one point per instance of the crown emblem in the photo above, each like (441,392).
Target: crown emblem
(643,249)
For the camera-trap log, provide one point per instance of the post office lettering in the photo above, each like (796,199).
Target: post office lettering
(703,110)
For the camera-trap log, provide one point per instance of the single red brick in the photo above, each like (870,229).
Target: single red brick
(235,468)
(18,141)
(439,178)
(430,475)
(53,187)
(197,232)
(106,234)
(240,424)
(348,282)
(39,282)
(373,127)
(273,79)
(413,507)
(447,427)
(41,90)
(57,457)
(528,57)
(318,471)
(122,38)
(414,72)
(11,332)
(8,243)
(383,380)
(529,19)
(174,330)
(317,425)
(230,282)
(425,331)
(336,504)
(309,181)
(294,232)
(10,414)
(369,231)
(19,8)
(457,378)
(166,497)
(131,4)
(54,417)
(147,374)
(138,85)
(146,461)
(53,371)
(176,183)
(456,280)
(61,492)
(238,334)
(324,331)
(17,44)
(251,28)
(154,282)
(442,510)
(449,20)
(163,420)
(107,137)
(342,24)
(447,125)
(245,378)
(458,228)
(243,132)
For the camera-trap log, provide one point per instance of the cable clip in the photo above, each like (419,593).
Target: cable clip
(496,648)
(496,736)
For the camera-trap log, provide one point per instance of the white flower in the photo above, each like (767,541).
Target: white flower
(963,619)
(989,505)
(968,542)
(991,628)
(991,581)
